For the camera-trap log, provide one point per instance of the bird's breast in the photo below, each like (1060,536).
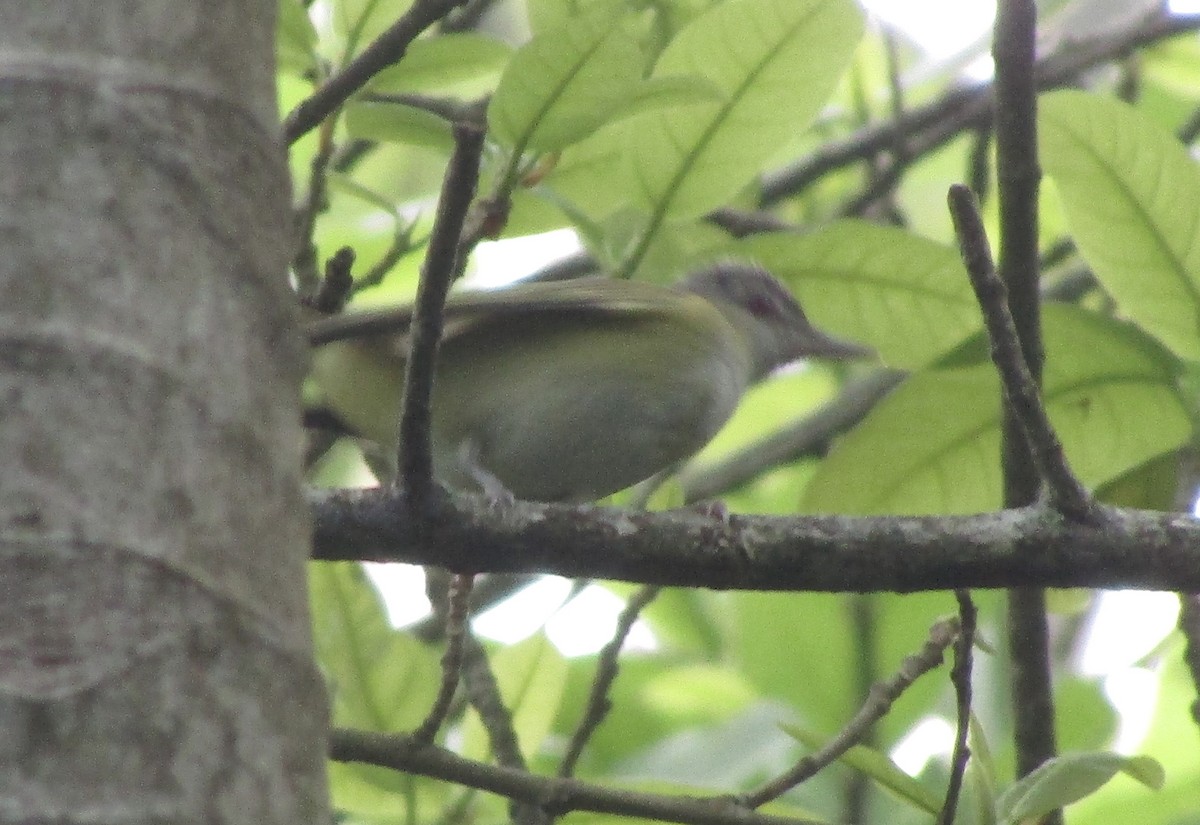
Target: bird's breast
(559,416)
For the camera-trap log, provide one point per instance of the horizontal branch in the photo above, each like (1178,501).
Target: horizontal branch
(553,795)
(1032,546)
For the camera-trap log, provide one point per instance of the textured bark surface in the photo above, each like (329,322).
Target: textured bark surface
(155,663)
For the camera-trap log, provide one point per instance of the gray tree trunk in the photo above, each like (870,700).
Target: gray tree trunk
(155,661)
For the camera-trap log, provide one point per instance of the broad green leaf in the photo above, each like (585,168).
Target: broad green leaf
(877,766)
(665,92)
(1153,486)
(775,61)
(1175,804)
(361,21)
(295,39)
(773,634)
(631,725)
(1069,778)
(906,296)
(565,83)
(438,62)
(547,15)
(589,182)
(397,123)
(1132,197)
(932,445)
(1092,722)
(374,794)
(699,692)
(687,621)
(981,774)
(532,677)
(379,678)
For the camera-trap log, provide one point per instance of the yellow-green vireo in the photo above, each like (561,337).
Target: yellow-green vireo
(573,390)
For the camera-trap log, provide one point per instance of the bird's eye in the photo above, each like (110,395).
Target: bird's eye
(762,306)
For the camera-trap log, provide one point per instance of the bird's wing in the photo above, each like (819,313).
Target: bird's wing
(466,310)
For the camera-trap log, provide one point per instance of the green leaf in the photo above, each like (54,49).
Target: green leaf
(776,63)
(397,123)
(347,184)
(361,21)
(1132,198)
(295,39)
(981,774)
(877,766)
(565,83)
(932,445)
(657,93)
(547,15)
(532,677)
(906,296)
(433,63)
(1069,778)
(1152,486)
(1092,722)
(379,678)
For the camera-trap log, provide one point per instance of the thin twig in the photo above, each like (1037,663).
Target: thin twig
(415,455)
(484,694)
(402,243)
(607,664)
(451,110)
(1189,625)
(1068,496)
(879,701)
(927,127)
(304,221)
(458,631)
(336,284)
(388,48)
(1032,458)
(960,676)
(863,608)
(487,592)
(552,794)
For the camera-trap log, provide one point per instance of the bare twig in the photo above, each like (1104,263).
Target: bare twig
(487,592)
(1029,452)
(402,243)
(457,632)
(552,794)
(304,221)
(484,695)
(864,618)
(451,110)
(879,702)
(606,672)
(336,284)
(437,273)
(1068,496)
(388,48)
(927,127)
(1189,625)
(960,675)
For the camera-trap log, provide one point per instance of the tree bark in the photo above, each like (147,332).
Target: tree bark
(155,660)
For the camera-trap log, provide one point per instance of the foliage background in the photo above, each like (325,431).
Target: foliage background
(661,123)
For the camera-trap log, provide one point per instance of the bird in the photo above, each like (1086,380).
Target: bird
(570,391)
